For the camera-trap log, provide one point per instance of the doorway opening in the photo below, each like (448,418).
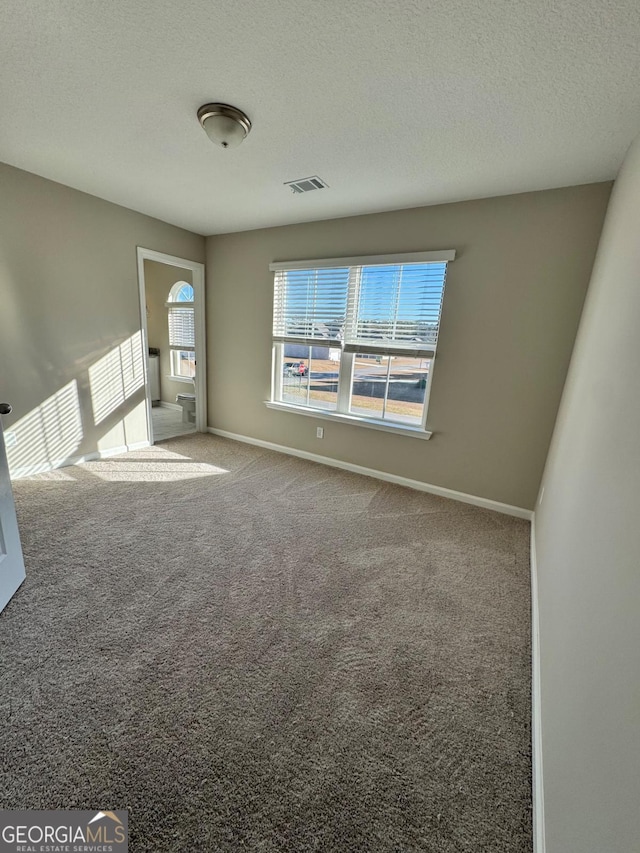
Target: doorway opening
(173,324)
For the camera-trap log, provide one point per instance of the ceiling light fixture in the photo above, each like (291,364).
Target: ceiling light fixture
(225,125)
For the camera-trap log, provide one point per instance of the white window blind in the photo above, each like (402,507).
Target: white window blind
(310,304)
(395,308)
(182,327)
(385,307)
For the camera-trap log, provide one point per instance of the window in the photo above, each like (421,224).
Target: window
(356,338)
(182,341)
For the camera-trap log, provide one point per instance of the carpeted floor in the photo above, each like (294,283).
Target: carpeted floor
(254,652)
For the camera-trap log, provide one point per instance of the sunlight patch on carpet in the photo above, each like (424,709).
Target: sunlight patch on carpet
(151,465)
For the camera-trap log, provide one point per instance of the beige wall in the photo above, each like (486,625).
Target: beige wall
(511,309)
(588,559)
(159,279)
(70,343)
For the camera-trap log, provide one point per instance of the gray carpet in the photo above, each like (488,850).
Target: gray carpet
(253,652)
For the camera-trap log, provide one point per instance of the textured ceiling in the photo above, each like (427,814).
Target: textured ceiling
(394,104)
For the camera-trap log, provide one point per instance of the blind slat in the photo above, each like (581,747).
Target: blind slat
(310,305)
(396,308)
(386,307)
(182,328)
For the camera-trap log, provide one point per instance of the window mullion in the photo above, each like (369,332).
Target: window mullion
(353,300)
(276,373)
(427,393)
(396,307)
(386,386)
(345,376)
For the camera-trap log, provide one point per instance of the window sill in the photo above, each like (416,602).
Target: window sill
(180,379)
(369,423)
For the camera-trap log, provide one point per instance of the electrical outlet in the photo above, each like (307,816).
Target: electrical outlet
(319,432)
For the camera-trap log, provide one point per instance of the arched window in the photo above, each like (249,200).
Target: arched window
(182,339)
(181,292)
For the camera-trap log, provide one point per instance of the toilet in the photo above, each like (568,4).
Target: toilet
(188,403)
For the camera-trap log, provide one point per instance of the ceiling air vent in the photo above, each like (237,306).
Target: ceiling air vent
(305,185)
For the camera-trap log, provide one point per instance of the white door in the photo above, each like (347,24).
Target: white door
(11,562)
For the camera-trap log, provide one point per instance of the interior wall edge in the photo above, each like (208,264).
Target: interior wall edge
(537,781)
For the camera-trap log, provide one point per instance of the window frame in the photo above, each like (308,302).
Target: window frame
(343,412)
(174,353)
(174,303)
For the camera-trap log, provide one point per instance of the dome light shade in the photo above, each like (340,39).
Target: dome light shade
(225,125)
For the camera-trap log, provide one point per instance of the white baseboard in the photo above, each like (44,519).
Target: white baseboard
(44,467)
(536,708)
(175,406)
(486,503)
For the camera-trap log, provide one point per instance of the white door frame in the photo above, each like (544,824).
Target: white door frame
(200,329)
(11,559)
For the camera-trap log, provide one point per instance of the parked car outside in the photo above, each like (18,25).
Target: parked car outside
(295,368)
